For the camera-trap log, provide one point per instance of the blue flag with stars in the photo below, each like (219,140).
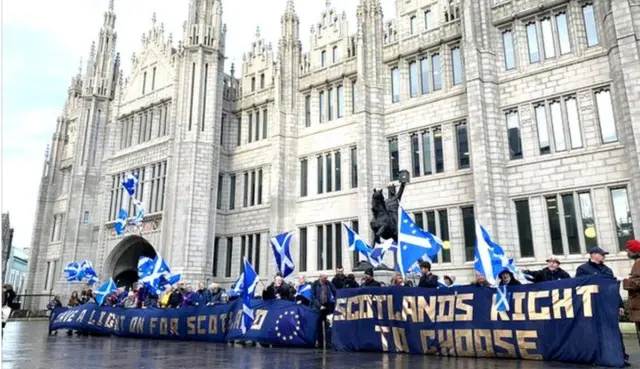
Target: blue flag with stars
(415,244)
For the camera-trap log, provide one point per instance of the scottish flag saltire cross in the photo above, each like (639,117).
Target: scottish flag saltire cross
(414,244)
(120,224)
(129,183)
(280,244)
(502,299)
(72,270)
(105,290)
(304,291)
(155,273)
(250,281)
(87,271)
(236,290)
(490,258)
(357,244)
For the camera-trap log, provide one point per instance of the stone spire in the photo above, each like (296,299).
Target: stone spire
(290,7)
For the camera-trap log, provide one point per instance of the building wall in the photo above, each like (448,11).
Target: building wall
(485,88)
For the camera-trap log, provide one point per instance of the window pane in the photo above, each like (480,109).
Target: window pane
(219,193)
(243,245)
(356,255)
(329,247)
(543,130)
(303,250)
(622,214)
(426,152)
(323,58)
(590,25)
(395,85)
(413,24)
(335,54)
(245,195)
(431,227)
(554,226)
(394,165)
(532,40)
(437,149)
(413,79)
(319,247)
(513,131)
(232,193)
(509,54)
(456,61)
(524,228)
(329,174)
(444,234)
(417,218)
(250,136)
(558,128)
(338,233)
(303,177)
(353,97)
(469,226)
(415,155)
(570,222)
(227,272)
(354,167)
(330,99)
(321,106)
(425,72)
(437,73)
(463,146)
(256,260)
(563,33)
(605,116)
(265,123)
(427,20)
(340,93)
(307,111)
(547,38)
(574,123)
(588,220)
(337,170)
(320,175)
(257,125)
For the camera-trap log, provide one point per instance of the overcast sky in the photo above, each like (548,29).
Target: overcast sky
(43,41)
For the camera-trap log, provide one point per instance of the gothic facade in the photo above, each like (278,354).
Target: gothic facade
(517,113)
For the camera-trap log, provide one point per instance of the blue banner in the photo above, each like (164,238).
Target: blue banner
(572,320)
(276,322)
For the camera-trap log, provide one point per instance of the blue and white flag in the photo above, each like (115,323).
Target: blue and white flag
(249,283)
(87,271)
(155,274)
(502,298)
(105,290)
(280,245)
(72,270)
(304,291)
(120,225)
(236,288)
(490,259)
(415,244)
(130,182)
(357,244)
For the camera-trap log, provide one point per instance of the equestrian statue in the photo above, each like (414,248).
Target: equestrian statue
(385,214)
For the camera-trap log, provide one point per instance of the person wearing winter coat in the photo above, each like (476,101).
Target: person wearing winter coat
(552,272)
(632,284)
(507,279)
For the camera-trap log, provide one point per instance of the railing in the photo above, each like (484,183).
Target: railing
(32,305)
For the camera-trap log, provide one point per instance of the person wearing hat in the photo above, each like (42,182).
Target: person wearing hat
(632,284)
(507,278)
(552,272)
(595,265)
(427,279)
(368,279)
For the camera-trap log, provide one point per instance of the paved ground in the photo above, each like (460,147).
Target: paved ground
(27,346)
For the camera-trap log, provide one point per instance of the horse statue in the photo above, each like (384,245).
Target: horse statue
(384,223)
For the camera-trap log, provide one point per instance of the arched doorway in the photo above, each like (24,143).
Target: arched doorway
(122,262)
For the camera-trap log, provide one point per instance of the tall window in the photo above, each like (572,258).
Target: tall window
(425,71)
(250,126)
(243,252)
(590,25)
(303,249)
(307,111)
(259,186)
(353,97)
(438,149)
(222,121)
(232,192)
(456,64)
(437,72)
(547,38)
(253,188)
(257,125)
(303,177)
(571,225)
(415,154)
(256,258)
(563,33)
(394,164)
(321,106)
(323,58)
(335,54)
(395,85)
(463,146)
(564,119)
(513,133)
(144,82)
(622,216)
(340,96)
(557,126)
(262,81)
(469,230)
(354,167)
(330,103)
(320,247)
(153,79)
(219,193)
(427,152)
(509,51)
(337,170)
(427,19)
(605,116)
(543,131)
(329,173)
(239,129)
(555,231)
(532,42)
(253,84)
(245,193)
(320,172)
(216,250)
(413,24)
(413,79)
(575,134)
(356,254)
(328,252)
(588,220)
(524,228)
(227,271)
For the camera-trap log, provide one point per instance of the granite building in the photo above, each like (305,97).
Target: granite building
(519,113)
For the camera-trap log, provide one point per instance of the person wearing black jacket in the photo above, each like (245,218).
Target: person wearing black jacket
(324,300)
(176,298)
(350,282)
(278,290)
(428,279)
(507,279)
(552,272)
(368,279)
(339,281)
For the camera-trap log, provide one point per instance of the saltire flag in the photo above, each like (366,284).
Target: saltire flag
(357,244)
(120,225)
(87,271)
(236,288)
(280,244)
(155,274)
(129,183)
(105,290)
(415,244)
(72,270)
(304,291)
(249,283)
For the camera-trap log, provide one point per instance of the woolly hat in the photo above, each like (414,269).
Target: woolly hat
(633,246)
